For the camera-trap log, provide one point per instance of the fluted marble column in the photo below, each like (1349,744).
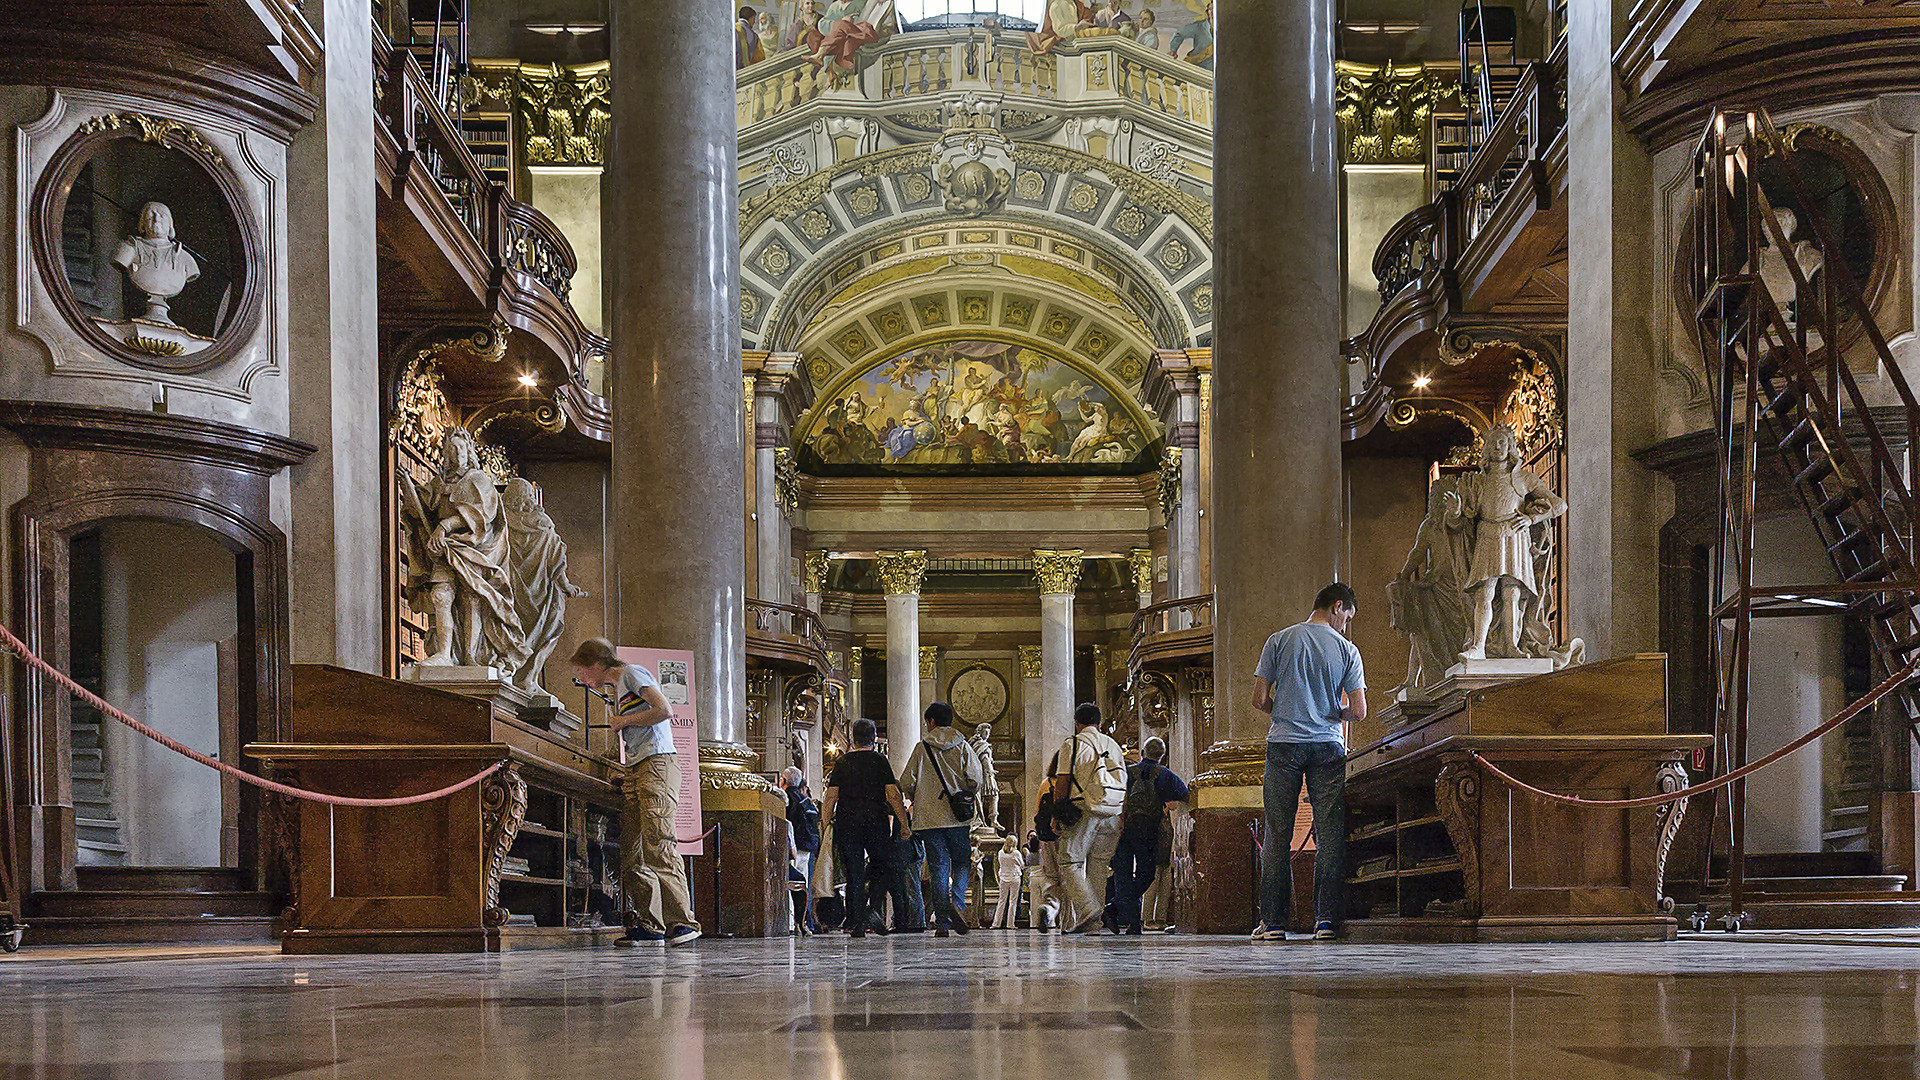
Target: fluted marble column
(900,575)
(1276,529)
(679,553)
(1059,575)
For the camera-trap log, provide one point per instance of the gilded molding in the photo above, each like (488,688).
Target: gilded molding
(856,656)
(929,661)
(1140,564)
(1168,483)
(901,572)
(567,113)
(1233,763)
(730,768)
(815,576)
(1383,111)
(1030,661)
(158,130)
(1058,571)
(786,484)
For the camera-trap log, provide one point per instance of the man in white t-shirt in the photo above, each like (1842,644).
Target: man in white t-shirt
(1086,846)
(652,876)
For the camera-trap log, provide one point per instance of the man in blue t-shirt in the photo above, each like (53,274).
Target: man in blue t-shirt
(1310,680)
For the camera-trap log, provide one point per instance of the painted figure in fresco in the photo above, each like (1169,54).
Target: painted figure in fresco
(1144,31)
(541,587)
(1113,16)
(1063,22)
(1199,34)
(1093,416)
(746,39)
(851,26)
(1500,508)
(459,562)
(805,33)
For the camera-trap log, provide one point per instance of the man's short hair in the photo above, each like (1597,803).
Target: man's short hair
(1337,593)
(1154,749)
(794,776)
(864,733)
(940,714)
(595,652)
(1087,713)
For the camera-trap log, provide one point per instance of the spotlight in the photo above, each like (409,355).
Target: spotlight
(529,380)
(1421,382)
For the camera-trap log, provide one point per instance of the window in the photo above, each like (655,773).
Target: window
(937,13)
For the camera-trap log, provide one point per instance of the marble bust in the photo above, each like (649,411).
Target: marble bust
(156,262)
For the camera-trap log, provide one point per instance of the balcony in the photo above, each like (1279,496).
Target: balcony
(456,249)
(1091,78)
(786,638)
(1490,248)
(1175,634)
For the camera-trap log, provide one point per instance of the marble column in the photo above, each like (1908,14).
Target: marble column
(1059,575)
(1033,728)
(336,555)
(1612,553)
(1276,534)
(901,573)
(775,501)
(856,683)
(929,674)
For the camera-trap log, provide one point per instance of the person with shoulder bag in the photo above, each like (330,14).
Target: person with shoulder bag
(943,777)
(1089,790)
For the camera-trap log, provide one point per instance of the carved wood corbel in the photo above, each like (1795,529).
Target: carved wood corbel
(1671,776)
(503,807)
(1456,794)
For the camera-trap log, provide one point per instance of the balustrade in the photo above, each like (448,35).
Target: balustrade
(1173,617)
(1170,92)
(920,70)
(1015,70)
(776,87)
(792,623)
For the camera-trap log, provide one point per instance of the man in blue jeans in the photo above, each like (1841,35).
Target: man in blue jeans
(1309,679)
(944,762)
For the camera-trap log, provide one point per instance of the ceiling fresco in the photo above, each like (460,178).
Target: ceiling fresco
(978,406)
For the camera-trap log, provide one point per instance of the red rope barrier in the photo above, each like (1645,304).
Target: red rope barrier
(701,839)
(1892,683)
(19,648)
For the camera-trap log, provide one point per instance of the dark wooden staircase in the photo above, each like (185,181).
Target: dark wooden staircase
(119,905)
(1787,398)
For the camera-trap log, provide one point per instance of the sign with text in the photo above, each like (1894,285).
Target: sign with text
(673,668)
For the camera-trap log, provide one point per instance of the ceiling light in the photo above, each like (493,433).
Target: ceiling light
(1421,382)
(529,380)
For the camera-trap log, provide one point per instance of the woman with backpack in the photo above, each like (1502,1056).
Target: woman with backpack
(943,779)
(1089,788)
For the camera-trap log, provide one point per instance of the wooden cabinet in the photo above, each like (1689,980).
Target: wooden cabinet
(1439,849)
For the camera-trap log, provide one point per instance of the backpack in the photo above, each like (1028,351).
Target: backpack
(1140,813)
(805,824)
(1100,776)
(1044,812)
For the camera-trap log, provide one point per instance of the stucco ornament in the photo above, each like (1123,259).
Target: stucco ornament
(974,167)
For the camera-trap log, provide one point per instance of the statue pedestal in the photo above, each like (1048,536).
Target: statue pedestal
(1470,675)
(510,702)
(154,338)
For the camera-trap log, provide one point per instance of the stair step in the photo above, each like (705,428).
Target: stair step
(1873,571)
(1818,469)
(108,846)
(1873,885)
(58,930)
(150,905)
(1802,434)
(1835,835)
(1852,540)
(162,879)
(1846,811)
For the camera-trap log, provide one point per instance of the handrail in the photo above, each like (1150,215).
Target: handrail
(535,245)
(785,620)
(1172,616)
(1407,249)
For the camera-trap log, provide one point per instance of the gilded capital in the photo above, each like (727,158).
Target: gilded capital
(855,657)
(929,659)
(1140,562)
(1057,571)
(1029,661)
(901,571)
(816,572)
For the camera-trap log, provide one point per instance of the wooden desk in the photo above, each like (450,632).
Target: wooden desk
(437,876)
(1440,850)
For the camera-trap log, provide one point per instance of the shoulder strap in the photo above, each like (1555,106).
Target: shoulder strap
(939,771)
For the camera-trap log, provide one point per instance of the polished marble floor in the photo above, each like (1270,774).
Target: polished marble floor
(987,1005)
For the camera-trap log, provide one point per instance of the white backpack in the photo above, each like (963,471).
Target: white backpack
(1100,776)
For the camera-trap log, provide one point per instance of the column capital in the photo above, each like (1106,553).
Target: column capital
(1057,571)
(1140,562)
(901,572)
(855,657)
(929,661)
(1029,661)
(815,572)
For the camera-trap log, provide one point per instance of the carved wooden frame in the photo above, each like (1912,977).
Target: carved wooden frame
(48,211)
(91,465)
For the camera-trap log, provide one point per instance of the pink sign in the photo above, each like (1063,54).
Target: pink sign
(673,669)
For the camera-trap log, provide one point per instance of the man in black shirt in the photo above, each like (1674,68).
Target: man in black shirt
(860,793)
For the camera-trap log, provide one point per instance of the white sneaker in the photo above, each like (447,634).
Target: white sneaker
(1265,933)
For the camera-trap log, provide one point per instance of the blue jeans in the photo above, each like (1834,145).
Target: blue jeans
(909,910)
(1134,867)
(949,858)
(1323,765)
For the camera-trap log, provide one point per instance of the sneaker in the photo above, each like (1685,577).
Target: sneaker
(857,934)
(680,935)
(1323,931)
(1046,920)
(639,935)
(1265,933)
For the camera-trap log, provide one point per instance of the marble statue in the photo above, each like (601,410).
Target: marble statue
(541,587)
(990,791)
(459,562)
(1502,511)
(155,262)
(1774,273)
(1427,600)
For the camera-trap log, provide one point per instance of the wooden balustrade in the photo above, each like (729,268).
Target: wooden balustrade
(1178,631)
(781,625)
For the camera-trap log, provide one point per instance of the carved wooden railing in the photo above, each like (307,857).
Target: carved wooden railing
(1155,629)
(787,624)
(413,114)
(1516,145)
(1409,250)
(535,246)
